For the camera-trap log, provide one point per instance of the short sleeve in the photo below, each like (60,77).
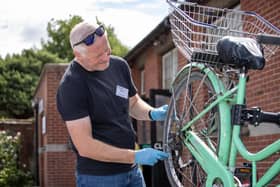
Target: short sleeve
(72,101)
(132,87)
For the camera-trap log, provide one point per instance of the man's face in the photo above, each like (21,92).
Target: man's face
(97,55)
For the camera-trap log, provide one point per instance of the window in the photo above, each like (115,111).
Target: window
(169,68)
(142,82)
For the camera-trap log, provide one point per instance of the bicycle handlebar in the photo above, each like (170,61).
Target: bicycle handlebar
(270,117)
(255,116)
(268,39)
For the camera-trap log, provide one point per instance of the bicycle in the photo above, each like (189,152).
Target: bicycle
(207,107)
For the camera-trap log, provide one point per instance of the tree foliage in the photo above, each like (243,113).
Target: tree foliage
(117,47)
(58,34)
(19,76)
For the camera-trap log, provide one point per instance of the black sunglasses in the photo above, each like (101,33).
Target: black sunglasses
(89,40)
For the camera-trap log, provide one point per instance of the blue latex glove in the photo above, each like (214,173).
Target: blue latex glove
(159,114)
(149,156)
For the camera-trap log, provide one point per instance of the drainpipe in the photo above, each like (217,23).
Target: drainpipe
(35,107)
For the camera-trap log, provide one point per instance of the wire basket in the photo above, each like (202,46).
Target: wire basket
(196,29)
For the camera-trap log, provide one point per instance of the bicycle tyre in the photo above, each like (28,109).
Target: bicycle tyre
(181,168)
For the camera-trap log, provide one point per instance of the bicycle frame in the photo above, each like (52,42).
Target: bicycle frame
(225,160)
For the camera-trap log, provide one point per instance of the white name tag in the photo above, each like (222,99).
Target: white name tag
(122,92)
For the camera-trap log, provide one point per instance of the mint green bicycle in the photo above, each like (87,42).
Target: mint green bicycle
(208,106)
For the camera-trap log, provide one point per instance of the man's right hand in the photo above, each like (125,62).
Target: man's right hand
(149,156)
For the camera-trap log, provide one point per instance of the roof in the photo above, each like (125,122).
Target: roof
(162,27)
(48,67)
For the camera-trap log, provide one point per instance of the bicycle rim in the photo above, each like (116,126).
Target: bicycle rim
(190,96)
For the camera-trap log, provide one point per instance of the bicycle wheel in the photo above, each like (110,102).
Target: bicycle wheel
(190,96)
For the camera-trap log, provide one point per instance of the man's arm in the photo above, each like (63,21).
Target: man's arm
(138,108)
(87,146)
(80,132)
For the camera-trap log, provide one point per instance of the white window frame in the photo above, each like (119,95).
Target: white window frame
(170,57)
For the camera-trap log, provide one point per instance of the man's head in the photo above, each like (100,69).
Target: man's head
(90,46)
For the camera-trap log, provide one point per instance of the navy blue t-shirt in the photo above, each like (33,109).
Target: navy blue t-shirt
(104,97)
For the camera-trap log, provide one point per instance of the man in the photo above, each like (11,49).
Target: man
(95,98)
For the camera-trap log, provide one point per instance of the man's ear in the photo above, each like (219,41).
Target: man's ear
(77,54)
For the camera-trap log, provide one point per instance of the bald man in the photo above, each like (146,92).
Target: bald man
(95,98)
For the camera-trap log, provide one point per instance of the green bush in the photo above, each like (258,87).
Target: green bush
(12,174)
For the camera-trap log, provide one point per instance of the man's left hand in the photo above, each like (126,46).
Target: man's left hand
(159,114)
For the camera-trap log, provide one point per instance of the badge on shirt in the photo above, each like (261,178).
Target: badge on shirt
(122,92)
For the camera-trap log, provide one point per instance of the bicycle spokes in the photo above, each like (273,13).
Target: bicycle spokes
(191,96)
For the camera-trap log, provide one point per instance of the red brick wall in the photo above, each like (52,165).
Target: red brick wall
(61,165)
(56,164)
(263,87)
(61,169)
(136,75)
(153,69)
(56,130)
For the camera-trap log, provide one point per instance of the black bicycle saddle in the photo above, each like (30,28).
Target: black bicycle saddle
(240,52)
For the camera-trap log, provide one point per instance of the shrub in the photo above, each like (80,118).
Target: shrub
(12,173)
